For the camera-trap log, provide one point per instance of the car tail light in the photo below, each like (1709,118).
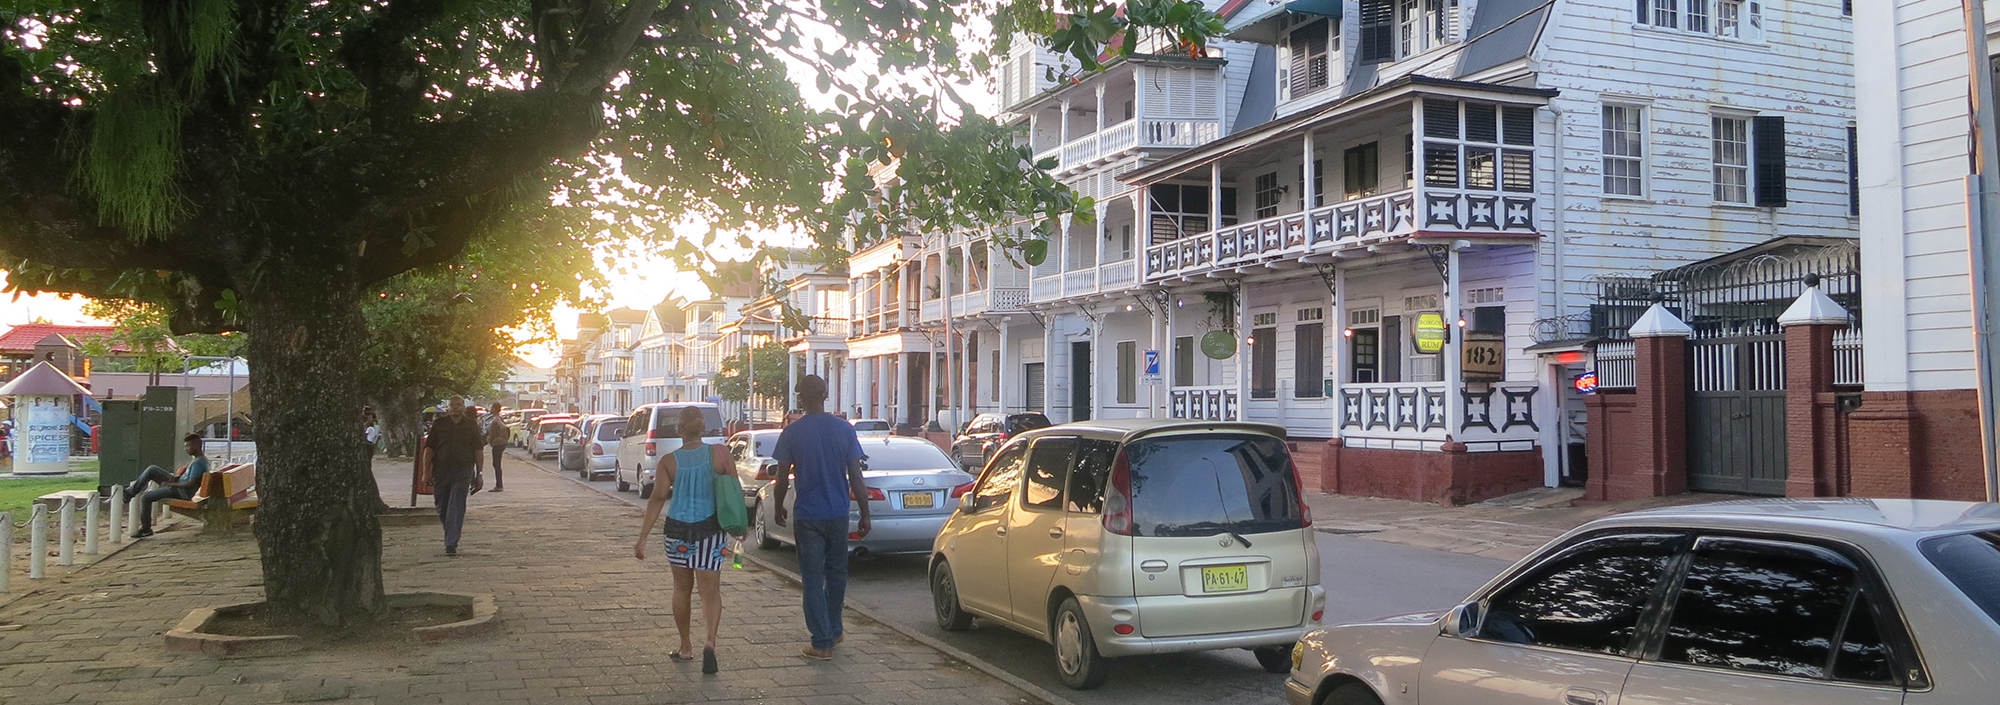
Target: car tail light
(596,449)
(1122,629)
(1305,510)
(854,536)
(764,472)
(651,448)
(1118,497)
(959,491)
(876,495)
(1317,616)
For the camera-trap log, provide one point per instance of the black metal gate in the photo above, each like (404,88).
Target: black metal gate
(1736,414)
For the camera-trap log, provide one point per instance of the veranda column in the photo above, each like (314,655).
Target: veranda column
(1454,346)
(1810,462)
(1242,351)
(1049,405)
(1001,353)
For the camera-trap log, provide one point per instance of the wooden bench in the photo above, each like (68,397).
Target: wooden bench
(225,496)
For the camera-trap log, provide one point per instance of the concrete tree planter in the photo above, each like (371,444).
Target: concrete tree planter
(192,635)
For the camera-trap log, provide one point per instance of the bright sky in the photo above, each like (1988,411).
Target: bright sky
(17,308)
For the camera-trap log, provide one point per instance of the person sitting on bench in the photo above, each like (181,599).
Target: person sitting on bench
(183,486)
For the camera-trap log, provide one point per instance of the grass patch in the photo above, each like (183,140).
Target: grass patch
(17,494)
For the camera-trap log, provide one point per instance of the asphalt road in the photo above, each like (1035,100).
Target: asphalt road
(1363,578)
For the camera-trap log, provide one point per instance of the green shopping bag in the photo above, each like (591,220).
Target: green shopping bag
(729,509)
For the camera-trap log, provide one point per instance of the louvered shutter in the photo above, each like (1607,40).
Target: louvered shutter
(1767,137)
(1378,31)
(1309,61)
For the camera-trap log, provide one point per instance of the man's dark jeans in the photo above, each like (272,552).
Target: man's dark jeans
(153,475)
(450,501)
(499,480)
(823,570)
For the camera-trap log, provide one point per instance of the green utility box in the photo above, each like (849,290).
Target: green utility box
(141,432)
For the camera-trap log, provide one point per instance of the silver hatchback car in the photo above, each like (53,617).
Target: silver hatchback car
(1758,602)
(1128,537)
(911,486)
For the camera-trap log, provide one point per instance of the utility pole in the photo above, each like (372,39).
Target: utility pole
(1982,215)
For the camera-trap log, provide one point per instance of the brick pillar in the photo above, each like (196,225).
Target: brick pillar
(1809,458)
(1662,432)
(1329,466)
(1810,466)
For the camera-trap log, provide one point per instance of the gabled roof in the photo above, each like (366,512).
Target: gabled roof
(43,378)
(23,338)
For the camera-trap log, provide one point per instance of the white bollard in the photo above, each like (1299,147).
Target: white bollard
(66,524)
(38,541)
(117,513)
(6,549)
(90,525)
(131,516)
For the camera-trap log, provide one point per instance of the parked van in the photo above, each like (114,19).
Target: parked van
(1137,536)
(653,431)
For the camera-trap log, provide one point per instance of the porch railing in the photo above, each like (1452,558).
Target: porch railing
(1202,403)
(1009,298)
(1847,357)
(1287,235)
(1417,415)
(1617,365)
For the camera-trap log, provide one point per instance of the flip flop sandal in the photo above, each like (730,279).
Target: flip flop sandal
(677,657)
(708,661)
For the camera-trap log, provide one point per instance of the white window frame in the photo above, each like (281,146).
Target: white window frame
(1739,193)
(1640,161)
(1728,20)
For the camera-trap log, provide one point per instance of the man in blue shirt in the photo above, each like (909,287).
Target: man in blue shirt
(821,450)
(182,486)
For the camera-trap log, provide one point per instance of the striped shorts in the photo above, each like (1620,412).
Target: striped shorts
(706,554)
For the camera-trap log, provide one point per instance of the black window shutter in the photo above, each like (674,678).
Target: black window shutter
(1378,31)
(1767,137)
(1301,55)
(1853,173)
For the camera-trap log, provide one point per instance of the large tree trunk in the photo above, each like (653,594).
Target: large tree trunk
(317,526)
(402,422)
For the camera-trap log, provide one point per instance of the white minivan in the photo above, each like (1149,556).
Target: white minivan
(1135,536)
(651,433)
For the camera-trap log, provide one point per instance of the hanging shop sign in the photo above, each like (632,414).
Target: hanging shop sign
(1429,333)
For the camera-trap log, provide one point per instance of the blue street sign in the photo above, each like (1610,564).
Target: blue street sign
(1152,362)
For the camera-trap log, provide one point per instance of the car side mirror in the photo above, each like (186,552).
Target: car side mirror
(965,503)
(1462,622)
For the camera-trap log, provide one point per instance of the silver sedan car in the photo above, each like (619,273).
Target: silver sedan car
(913,487)
(1758,602)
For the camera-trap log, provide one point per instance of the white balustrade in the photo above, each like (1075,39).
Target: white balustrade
(1115,274)
(1210,403)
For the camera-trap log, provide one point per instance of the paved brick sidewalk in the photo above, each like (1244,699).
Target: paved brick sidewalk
(581,622)
(1508,528)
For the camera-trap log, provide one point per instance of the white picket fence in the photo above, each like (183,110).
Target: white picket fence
(115,514)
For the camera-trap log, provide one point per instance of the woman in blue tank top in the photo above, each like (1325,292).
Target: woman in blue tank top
(695,542)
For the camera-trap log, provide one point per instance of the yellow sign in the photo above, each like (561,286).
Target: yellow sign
(1485,357)
(1430,332)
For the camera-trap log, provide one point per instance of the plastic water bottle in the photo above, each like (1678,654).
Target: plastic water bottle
(737,554)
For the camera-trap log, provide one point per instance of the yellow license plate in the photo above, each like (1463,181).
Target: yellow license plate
(1225,578)
(918,500)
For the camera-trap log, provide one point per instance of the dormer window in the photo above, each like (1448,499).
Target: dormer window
(1311,65)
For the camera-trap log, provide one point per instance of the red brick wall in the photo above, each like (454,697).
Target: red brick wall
(1453,477)
(1916,444)
(1308,454)
(1810,457)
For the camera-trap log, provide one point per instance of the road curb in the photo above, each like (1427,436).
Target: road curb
(1019,683)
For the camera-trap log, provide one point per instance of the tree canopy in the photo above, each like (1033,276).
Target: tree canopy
(733,379)
(260,165)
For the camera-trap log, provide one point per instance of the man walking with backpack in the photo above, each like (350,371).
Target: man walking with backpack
(824,454)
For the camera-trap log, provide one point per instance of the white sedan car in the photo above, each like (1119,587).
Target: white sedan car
(1801,602)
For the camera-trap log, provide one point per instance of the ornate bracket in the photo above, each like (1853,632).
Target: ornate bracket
(1440,256)
(1326,275)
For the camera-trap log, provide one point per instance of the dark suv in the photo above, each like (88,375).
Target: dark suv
(987,431)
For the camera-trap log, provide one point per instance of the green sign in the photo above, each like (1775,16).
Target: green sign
(1430,332)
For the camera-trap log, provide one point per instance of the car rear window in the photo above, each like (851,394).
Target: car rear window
(905,456)
(1026,422)
(609,430)
(865,426)
(1971,562)
(1201,485)
(553,426)
(668,418)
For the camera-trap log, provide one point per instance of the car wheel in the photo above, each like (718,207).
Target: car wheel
(646,491)
(1077,662)
(622,485)
(1274,659)
(760,530)
(1351,694)
(951,616)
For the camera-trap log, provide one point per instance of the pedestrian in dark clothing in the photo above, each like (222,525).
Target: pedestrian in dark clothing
(454,441)
(182,486)
(497,436)
(824,454)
